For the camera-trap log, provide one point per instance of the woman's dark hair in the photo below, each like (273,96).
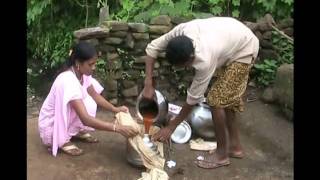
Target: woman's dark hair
(179,50)
(82,51)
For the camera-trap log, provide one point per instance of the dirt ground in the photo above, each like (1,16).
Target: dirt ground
(267,138)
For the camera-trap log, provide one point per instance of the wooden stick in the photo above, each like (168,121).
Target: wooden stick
(283,34)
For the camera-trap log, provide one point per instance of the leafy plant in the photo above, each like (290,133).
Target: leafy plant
(126,58)
(51,24)
(142,74)
(253,10)
(125,75)
(49,36)
(283,47)
(265,72)
(225,7)
(30,91)
(182,89)
(101,70)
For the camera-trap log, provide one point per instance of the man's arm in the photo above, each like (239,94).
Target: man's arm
(195,95)
(153,49)
(148,90)
(185,111)
(165,133)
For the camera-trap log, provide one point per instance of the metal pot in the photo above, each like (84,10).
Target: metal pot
(158,105)
(133,157)
(201,122)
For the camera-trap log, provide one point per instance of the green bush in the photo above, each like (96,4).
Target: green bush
(51,23)
(264,73)
(49,36)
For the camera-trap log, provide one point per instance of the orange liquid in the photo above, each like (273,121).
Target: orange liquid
(147,121)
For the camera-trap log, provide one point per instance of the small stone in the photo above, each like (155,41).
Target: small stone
(113,41)
(138,27)
(112,56)
(140,60)
(268,96)
(116,25)
(156,65)
(140,36)
(111,85)
(159,29)
(120,34)
(266,44)
(267,35)
(128,83)
(129,42)
(161,20)
(114,101)
(88,33)
(133,91)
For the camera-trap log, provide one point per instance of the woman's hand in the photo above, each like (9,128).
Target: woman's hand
(126,131)
(122,109)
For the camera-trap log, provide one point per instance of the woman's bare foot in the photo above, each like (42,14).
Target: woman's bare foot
(86,137)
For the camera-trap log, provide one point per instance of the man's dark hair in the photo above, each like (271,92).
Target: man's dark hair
(179,50)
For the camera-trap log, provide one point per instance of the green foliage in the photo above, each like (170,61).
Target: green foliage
(224,7)
(127,64)
(264,73)
(30,91)
(177,74)
(182,89)
(253,10)
(142,74)
(101,70)
(143,11)
(51,24)
(283,47)
(49,36)
(35,9)
(127,59)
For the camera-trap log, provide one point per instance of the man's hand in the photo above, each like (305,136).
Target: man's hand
(163,134)
(148,92)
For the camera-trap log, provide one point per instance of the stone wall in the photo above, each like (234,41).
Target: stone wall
(281,92)
(263,30)
(122,47)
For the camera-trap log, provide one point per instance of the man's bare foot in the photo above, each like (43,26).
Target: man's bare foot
(232,153)
(212,161)
(236,152)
